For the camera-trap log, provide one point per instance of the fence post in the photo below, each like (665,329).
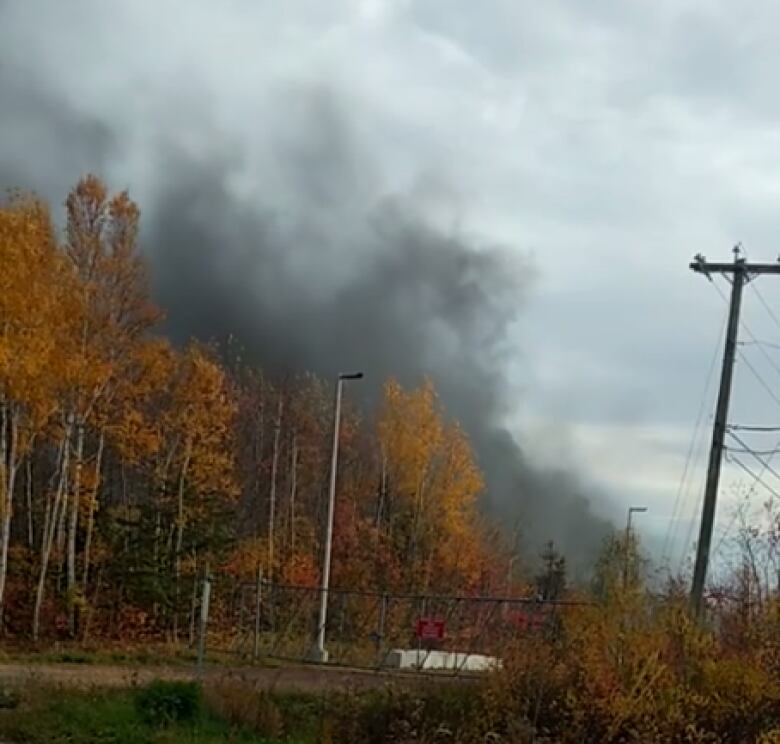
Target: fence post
(380,631)
(204,619)
(258,600)
(423,607)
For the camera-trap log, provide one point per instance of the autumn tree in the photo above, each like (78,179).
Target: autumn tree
(35,316)
(429,486)
(115,313)
(198,460)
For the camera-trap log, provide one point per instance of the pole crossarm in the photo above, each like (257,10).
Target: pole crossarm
(704,267)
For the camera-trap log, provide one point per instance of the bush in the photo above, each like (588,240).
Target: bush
(242,706)
(163,702)
(71,657)
(9,699)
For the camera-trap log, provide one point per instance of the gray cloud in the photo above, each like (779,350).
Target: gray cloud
(607,141)
(295,240)
(44,141)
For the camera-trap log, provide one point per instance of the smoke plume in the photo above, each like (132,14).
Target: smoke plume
(294,240)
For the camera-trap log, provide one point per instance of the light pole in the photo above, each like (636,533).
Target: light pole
(631,510)
(319,653)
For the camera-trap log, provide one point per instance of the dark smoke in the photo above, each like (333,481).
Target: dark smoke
(43,140)
(317,265)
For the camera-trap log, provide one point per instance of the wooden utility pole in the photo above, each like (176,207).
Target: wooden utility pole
(741,272)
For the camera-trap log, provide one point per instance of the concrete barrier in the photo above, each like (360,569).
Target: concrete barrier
(449,660)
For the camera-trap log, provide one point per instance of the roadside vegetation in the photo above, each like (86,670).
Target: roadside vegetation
(627,670)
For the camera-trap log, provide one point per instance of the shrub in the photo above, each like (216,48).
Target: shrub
(245,707)
(164,702)
(9,699)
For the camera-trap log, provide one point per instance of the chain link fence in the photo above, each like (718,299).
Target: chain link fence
(364,629)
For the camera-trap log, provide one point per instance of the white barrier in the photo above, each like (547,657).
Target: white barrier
(414,659)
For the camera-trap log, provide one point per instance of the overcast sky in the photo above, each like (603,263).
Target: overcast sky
(608,141)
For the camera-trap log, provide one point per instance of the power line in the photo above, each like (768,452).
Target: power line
(760,347)
(689,537)
(727,531)
(766,305)
(764,463)
(672,529)
(746,451)
(756,477)
(759,342)
(760,379)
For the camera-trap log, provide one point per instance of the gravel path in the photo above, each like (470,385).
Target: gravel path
(290,678)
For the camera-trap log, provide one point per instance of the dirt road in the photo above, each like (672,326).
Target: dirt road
(290,678)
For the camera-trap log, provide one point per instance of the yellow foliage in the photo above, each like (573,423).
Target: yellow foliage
(629,671)
(435,482)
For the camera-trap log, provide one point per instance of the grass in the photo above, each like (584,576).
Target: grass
(224,710)
(157,654)
(58,716)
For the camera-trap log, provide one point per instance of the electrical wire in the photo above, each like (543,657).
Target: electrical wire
(765,464)
(756,478)
(763,351)
(745,451)
(691,523)
(765,304)
(671,532)
(759,342)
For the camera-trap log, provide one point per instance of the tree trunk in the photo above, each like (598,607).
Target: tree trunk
(272,495)
(91,512)
(93,607)
(293,489)
(49,527)
(73,527)
(258,464)
(194,598)
(180,536)
(11,441)
(381,501)
(29,503)
(416,521)
(162,498)
(61,528)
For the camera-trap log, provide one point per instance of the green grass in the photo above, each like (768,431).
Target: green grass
(55,715)
(160,654)
(231,711)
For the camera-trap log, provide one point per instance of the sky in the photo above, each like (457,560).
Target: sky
(603,144)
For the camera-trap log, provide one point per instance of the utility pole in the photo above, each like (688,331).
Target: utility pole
(741,272)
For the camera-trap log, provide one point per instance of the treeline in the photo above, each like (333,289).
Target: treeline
(129,467)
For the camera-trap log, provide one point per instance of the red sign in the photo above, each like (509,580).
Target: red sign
(530,620)
(430,629)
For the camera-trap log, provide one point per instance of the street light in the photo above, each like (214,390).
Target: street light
(319,653)
(631,510)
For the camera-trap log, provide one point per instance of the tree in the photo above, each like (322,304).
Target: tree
(429,486)
(35,316)
(620,566)
(551,580)
(198,453)
(116,312)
